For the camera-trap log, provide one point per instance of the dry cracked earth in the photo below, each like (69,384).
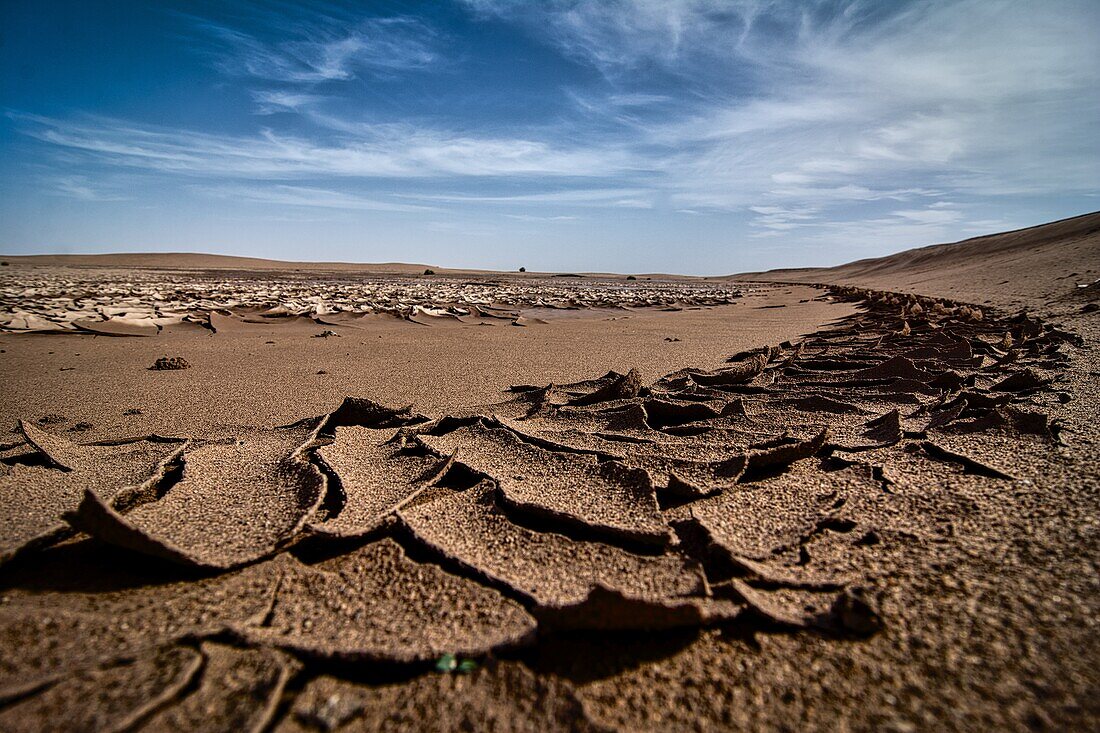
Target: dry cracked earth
(613,554)
(130,302)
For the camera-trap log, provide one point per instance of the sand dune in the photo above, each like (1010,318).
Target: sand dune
(1010,270)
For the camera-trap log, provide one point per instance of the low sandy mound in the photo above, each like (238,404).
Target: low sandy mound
(1010,269)
(204,261)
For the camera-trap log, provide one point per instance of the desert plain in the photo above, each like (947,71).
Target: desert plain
(249,495)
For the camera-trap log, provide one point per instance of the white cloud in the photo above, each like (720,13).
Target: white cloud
(930,215)
(842,103)
(79,187)
(326,50)
(271,101)
(377,151)
(572,197)
(283,195)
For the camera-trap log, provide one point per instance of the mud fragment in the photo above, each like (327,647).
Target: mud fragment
(607,497)
(377,475)
(501,696)
(551,570)
(111,698)
(121,473)
(376,605)
(238,692)
(209,517)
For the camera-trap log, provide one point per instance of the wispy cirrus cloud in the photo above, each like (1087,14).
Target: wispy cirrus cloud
(817,106)
(377,151)
(568,197)
(82,188)
(306,196)
(271,101)
(324,49)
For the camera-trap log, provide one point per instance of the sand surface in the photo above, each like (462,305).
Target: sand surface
(789,508)
(1041,266)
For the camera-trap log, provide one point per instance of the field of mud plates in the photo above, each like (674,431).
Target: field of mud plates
(141,303)
(377,565)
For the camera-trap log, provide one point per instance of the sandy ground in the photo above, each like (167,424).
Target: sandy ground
(890,524)
(260,374)
(1040,267)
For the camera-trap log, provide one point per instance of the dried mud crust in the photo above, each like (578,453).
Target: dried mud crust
(309,577)
(90,300)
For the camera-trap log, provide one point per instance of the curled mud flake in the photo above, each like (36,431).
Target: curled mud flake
(365,413)
(116,326)
(376,605)
(377,478)
(623,388)
(577,489)
(610,609)
(899,367)
(908,386)
(567,441)
(697,479)
(884,430)
(951,351)
(784,455)
(774,575)
(739,373)
(1022,381)
(632,418)
(208,519)
(766,351)
(500,696)
(170,363)
(972,465)
(796,608)
(856,611)
(991,420)
(1026,421)
(121,473)
(239,690)
(111,698)
(663,413)
(945,417)
(980,400)
(819,403)
(551,570)
(948,380)
(795,354)
(735,408)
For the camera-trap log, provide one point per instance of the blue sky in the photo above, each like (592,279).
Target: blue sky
(695,136)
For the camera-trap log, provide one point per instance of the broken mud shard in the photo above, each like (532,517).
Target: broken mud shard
(62,631)
(561,576)
(112,698)
(378,475)
(573,488)
(375,604)
(210,518)
(503,696)
(239,690)
(119,473)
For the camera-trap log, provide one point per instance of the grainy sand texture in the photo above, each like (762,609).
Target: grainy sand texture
(250,496)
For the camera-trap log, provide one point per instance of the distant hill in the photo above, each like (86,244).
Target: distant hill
(1040,262)
(200,261)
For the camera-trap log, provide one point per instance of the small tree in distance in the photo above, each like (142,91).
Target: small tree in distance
(523,269)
